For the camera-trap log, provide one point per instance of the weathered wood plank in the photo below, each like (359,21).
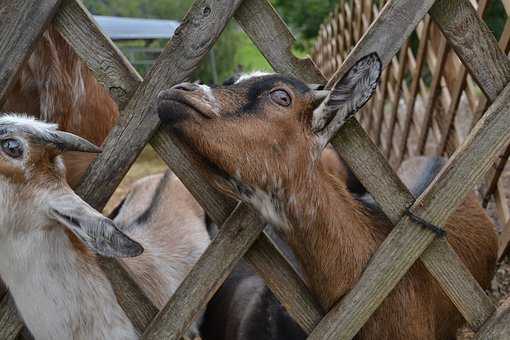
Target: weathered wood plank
(110,68)
(190,43)
(264,257)
(449,139)
(464,170)
(23,22)
(498,326)
(235,237)
(218,208)
(274,40)
(474,43)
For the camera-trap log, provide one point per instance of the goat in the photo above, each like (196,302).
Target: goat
(162,215)
(285,126)
(56,86)
(59,288)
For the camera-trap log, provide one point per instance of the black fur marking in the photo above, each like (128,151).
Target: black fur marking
(155,201)
(68,219)
(116,210)
(257,86)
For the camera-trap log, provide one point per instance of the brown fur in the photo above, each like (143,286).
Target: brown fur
(260,146)
(55,86)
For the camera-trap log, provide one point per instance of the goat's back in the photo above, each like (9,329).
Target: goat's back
(160,213)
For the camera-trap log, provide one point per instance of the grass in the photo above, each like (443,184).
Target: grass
(249,56)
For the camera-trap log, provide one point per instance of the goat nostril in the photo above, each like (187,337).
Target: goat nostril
(189,87)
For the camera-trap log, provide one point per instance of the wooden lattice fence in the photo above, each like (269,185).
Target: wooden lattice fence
(241,234)
(427,102)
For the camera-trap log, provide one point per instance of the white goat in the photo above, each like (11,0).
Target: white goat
(59,289)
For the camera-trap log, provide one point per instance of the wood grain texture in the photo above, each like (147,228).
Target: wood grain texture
(235,237)
(498,326)
(110,67)
(218,208)
(263,255)
(10,323)
(190,43)
(464,170)
(22,24)
(272,37)
(449,139)
(474,43)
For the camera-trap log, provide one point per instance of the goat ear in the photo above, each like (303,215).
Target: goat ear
(347,96)
(97,232)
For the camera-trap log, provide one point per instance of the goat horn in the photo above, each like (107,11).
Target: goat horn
(66,141)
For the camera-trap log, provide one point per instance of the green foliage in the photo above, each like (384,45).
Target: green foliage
(160,9)
(233,52)
(495,17)
(304,16)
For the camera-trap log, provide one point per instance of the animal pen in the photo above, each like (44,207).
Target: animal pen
(242,232)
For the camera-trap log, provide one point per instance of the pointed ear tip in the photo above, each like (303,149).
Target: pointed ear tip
(132,249)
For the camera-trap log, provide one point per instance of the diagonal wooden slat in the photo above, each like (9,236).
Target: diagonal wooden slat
(219,208)
(272,267)
(23,22)
(110,67)
(474,44)
(204,22)
(233,240)
(449,139)
(410,103)
(466,167)
(274,40)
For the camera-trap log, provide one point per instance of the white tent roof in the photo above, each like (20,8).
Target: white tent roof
(119,28)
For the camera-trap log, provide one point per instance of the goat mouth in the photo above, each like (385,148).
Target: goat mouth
(174,106)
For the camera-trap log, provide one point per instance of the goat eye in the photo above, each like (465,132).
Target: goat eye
(281,97)
(12,148)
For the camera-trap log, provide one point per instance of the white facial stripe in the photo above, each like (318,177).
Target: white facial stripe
(28,123)
(254,74)
(210,98)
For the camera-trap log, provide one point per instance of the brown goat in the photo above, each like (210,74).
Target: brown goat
(263,137)
(54,85)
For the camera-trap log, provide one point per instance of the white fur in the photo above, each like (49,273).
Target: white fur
(59,293)
(210,99)
(28,123)
(254,74)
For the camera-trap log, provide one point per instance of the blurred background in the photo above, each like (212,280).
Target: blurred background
(233,52)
